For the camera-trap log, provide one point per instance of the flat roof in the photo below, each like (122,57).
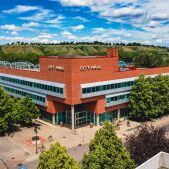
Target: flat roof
(74,57)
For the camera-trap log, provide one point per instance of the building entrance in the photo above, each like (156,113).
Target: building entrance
(81,119)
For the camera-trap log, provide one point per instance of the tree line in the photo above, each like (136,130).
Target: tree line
(149,98)
(137,55)
(16,112)
(86,43)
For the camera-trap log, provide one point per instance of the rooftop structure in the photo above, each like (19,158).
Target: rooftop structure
(159,161)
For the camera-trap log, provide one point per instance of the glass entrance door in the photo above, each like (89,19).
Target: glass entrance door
(81,119)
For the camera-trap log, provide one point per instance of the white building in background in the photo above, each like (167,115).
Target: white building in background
(159,161)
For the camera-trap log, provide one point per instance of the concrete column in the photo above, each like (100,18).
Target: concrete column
(118,114)
(94,118)
(97,119)
(73,117)
(53,119)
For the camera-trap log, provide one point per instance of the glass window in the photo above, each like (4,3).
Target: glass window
(94,89)
(104,87)
(84,91)
(89,90)
(108,87)
(119,85)
(97,88)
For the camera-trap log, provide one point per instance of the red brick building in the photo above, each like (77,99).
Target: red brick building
(74,90)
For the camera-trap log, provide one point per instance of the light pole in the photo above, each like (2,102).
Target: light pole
(36,134)
(4,163)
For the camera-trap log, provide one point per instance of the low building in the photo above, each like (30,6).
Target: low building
(75,90)
(159,161)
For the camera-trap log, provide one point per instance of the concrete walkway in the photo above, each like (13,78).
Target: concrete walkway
(14,150)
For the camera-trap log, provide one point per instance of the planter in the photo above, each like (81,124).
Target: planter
(91,125)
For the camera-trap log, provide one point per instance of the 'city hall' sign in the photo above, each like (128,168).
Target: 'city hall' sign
(94,67)
(56,68)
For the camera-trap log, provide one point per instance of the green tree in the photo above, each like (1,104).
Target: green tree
(3,126)
(141,103)
(25,111)
(6,103)
(106,151)
(6,106)
(148,59)
(161,94)
(57,158)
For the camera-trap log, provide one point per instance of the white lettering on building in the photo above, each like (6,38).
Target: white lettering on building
(94,67)
(56,68)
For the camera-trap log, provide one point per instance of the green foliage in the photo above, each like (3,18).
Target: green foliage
(25,111)
(146,142)
(57,158)
(140,55)
(106,151)
(15,111)
(6,103)
(161,94)
(149,59)
(3,126)
(141,103)
(149,98)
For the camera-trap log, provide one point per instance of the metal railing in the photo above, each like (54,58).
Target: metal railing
(20,65)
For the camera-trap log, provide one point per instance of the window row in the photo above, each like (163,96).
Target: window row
(22,93)
(118,98)
(33,84)
(107,87)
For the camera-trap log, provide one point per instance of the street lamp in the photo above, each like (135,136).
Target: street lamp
(4,163)
(36,135)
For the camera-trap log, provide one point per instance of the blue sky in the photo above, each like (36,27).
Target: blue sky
(144,21)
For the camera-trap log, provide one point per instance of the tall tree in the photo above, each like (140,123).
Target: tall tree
(106,151)
(6,103)
(141,103)
(25,111)
(6,106)
(146,142)
(161,94)
(57,158)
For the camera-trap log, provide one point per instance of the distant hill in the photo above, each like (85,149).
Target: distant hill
(142,56)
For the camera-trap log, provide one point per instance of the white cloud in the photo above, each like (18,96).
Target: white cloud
(98,30)
(30,24)
(68,35)
(76,2)
(81,19)
(56,20)
(37,39)
(78,27)
(15,29)
(123,12)
(21,9)
(159,16)
(153,24)
(46,36)
(14,33)
(10,27)
(41,15)
(149,16)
